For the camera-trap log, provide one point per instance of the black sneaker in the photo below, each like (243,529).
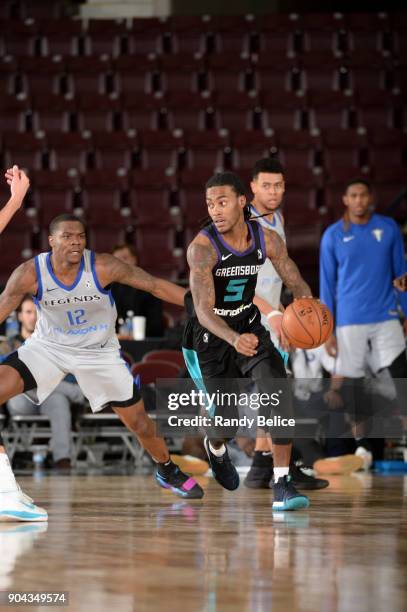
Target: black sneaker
(286,496)
(302,480)
(179,483)
(223,469)
(258,477)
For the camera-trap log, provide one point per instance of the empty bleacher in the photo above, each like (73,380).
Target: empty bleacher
(114,119)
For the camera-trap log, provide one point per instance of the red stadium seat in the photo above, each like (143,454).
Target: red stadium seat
(206,148)
(244,157)
(104,36)
(42,74)
(192,203)
(98,112)
(342,164)
(187,33)
(104,240)
(114,149)
(69,150)
(187,110)
(142,111)
(61,36)
(149,178)
(159,148)
(337,138)
(235,111)
(387,164)
(181,78)
(150,207)
(24,149)
(53,113)
(53,202)
(277,42)
(87,74)
(145,41)
(15,248)
(171,356)
(150,371)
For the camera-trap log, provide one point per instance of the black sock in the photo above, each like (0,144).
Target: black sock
(166,468)
(262,459)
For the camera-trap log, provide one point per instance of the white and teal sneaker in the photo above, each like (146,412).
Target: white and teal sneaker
(17,506)
(286,496)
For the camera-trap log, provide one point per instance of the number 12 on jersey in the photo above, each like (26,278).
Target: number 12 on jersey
(75,317)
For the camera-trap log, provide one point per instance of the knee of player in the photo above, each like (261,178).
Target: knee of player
(140,423)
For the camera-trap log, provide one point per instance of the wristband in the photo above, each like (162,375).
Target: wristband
(274,313)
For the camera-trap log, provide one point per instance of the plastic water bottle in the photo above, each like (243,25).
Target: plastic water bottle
(129,323)
(12,326)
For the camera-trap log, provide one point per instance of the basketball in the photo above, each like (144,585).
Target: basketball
(307,323)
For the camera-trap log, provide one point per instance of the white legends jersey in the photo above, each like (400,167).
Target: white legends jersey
(269,284)
(81,315)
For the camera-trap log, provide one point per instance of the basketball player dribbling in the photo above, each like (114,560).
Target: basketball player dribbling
(75,333)
(224,337)
(268,187)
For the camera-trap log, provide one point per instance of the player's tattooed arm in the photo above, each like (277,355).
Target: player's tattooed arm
(286,268)
(23,280)
(201,258)
(109,269)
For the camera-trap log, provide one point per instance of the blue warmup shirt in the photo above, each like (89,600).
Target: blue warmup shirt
(357,269)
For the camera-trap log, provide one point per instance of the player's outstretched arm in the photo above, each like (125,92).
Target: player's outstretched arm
(286,268)
(19,184)
(109,269)
(201,259)
(23,280)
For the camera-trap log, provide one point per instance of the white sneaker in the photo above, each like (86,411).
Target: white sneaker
(17,506)
(367,457)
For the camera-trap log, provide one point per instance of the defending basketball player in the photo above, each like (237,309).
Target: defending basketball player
(268,186)
(75,333)
(19,185)
(224,337)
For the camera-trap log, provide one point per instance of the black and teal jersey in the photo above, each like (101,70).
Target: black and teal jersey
(235,273)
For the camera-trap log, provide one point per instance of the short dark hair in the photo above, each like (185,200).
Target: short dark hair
(124,245)
(27,298)
(358,181)
(227,178)
(53,226)
(267,164)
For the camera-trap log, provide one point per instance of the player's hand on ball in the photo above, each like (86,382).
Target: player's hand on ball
(19,183)
(246,344)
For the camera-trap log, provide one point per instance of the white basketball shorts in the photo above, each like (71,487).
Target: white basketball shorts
(102,374)
(375,345)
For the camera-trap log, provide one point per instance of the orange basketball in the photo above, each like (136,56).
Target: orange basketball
(307,323)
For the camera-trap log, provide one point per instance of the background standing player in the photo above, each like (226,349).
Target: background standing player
(224,337)
(360,255)
(268,187)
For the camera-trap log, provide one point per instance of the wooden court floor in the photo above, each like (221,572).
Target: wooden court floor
(120,543)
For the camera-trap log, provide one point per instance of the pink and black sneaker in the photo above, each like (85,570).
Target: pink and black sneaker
(169,476)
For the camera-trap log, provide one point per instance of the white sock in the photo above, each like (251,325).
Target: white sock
(279,472)
(218,452)
(7,481)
